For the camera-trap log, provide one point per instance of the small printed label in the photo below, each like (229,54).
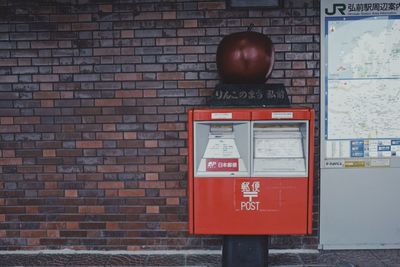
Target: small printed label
(354,164)
(215,116)
(282,115)
(334,164)
(395,143)
(380,163)
(383,148)
(222,165)
(357,148)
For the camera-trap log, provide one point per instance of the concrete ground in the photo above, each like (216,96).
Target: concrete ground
(200,258)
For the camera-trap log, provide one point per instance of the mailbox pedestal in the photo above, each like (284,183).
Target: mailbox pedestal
(250,172)
(245,251)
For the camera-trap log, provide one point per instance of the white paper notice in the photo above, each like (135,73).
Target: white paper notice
(280,165)
(337,149)
(278,148)
(221,148)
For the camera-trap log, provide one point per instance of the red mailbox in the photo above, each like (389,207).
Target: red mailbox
(250,171)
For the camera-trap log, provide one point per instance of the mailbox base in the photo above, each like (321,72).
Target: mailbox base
(245,251)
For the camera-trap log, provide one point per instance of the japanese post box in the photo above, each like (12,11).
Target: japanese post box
(250,171)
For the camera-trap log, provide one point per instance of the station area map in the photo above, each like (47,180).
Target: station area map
(363,78)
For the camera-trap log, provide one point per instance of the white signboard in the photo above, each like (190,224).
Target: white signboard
(360,133)
(360,54)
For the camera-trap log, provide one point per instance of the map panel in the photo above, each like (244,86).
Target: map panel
(363,77)
(363,109)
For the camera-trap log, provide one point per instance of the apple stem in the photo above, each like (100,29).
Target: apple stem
(250,28)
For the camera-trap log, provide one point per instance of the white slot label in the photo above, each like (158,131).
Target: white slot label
(215,116)
(282,115)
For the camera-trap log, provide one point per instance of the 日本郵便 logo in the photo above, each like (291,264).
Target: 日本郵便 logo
(336,8)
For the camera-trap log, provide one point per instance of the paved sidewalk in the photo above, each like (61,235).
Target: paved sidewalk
(193,258)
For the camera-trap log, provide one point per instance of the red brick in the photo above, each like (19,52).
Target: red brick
(191,32)
(111,193)
(45,78)
(10,128)
(170,76)
(46,86)
(8,153)
(110,168)
(151,176)
(191,49)
(150,143)
(148,16)
(53,233)
(8,78)
(44,44)
(106,136)
(46,95)
(106,51)
(32,209)
(191,84)
(131,193)
(85,17)
(91,209)
(190,23)
(152,209)
(127,51)
(128,93)
(169,41)
(108,102)
(8,62)
(49,153)
(109,127)
(171,126)
(63,18)
(106,8)
(66,69)
(130,135)
(127,34)
(33,233)
(72,225)
(173,201)
(149,93)
(151,184)
(169,15)
(71,193)
(6,120)
(151,168)
(10,161)
(212,5)
(89,144)
(27,120)
(85,26)
(172,192)
(128,76)
(46,103)
(312,82)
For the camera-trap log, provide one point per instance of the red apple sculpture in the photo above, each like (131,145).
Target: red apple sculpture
(245,57)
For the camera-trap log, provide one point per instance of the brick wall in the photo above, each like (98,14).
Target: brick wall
(93,101)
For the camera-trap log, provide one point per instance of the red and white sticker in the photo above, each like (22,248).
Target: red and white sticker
(222,165)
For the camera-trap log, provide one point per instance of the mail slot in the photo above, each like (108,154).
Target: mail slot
(250,171)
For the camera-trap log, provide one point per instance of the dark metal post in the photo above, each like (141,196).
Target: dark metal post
(245,251)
